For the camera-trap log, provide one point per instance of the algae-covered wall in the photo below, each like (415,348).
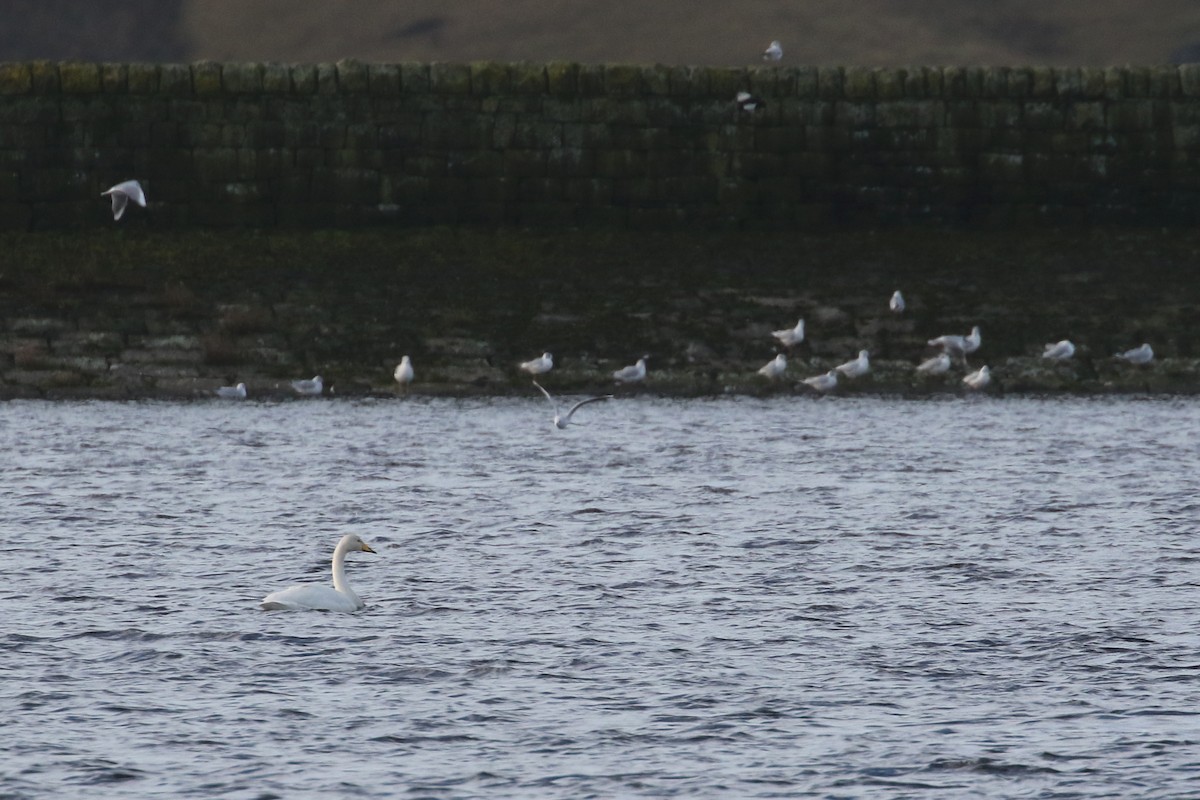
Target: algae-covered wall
(348,144)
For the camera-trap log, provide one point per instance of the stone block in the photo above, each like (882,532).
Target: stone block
(447,78)
(656,79)
(414,78)
(529,78)
(490,77)
(44,76)
(352,77)
(303,78)
(591,80)
(623,80)
(206,78)
(1042,116)
(1164,81)
(327,79)
(859,83)
(15,78)
(725,82)
(276,78)
(1092,82)
(79,78)
(175,79)
(1085,116)
(806,82)
(889,82)
(242,78)
(562,78)
(1068,84)
(1114,83)
(1137,81)
(1131,115)
(1042,86)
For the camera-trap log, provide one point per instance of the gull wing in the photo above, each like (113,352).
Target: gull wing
(553,402)
(576,407)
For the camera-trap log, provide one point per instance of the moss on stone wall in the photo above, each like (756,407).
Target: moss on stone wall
(562,144)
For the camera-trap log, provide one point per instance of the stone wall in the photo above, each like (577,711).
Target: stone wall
(349,144)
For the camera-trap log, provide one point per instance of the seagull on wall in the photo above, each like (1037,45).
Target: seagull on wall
(122,193)
(896,304)
(938,365)
(774,368)
(790,337)
(748,102)
(1138,355)
(824,383)
(403,373)
(856,367)
(1059,351)
(309,388)
(774,51)
(632,374)
(979,379)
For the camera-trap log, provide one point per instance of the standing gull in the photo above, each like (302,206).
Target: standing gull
(632,374)
(824,383)
(538,366)
(1138,355)
(309,387)
(856,367)
(896,304)
(232,392)
(122,193)
(1059,351)
(774,368)
(978,379)
(937,365)
(560,420)
(774,52)
(955,345)
(403,373)
(789,337)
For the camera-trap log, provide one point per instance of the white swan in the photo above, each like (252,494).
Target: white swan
(318,597)
(122,193)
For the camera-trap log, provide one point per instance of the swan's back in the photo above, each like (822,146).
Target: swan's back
(313,597)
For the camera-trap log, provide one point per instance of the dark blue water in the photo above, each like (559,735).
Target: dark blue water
(738,598)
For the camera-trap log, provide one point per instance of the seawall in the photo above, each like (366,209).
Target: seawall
(614,146)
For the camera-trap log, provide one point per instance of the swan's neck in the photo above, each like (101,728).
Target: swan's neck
(339,572)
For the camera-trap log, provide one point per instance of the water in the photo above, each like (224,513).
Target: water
(728,598)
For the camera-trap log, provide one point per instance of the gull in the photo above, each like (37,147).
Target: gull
(539,365)
(859,366)
(955,345)
(937,365)
(773,53)
(632,374)
(403,373)
(561,421)
(1138,355)
(122,193)
(232,392)
(978,379)
(312,387)
(790,336)
(774,368)
(1059,351)
(896,304)
(824,383)
(748,102)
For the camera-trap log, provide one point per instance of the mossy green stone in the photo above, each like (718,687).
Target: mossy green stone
(45,76)
(414,77)
(1042,86)
(490,78)
(15,78)
(446,78)
(79,78)
(327,79)
(303,78)
(829,83)
(175,79)
(529,78)
(352,77)
(1164,81)
(859,83)
(562,78)
(276,78)
(142,78)
(206,78)
(1091,81)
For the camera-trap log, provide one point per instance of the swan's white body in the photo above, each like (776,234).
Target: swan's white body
(538,366)
(1059,351)
(562,420)
(978,379)
(937,365)
(857,367)
(774,368)
(232,392)
(403,373)
(319,597)
(790,336)
(824,383)
(896,304)
(632,374)
(774,52)
(311,387)
(1138,355)
(122,193)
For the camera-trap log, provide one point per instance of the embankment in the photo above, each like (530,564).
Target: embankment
(129,313)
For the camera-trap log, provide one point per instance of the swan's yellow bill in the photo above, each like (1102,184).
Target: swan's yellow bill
(367,548)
